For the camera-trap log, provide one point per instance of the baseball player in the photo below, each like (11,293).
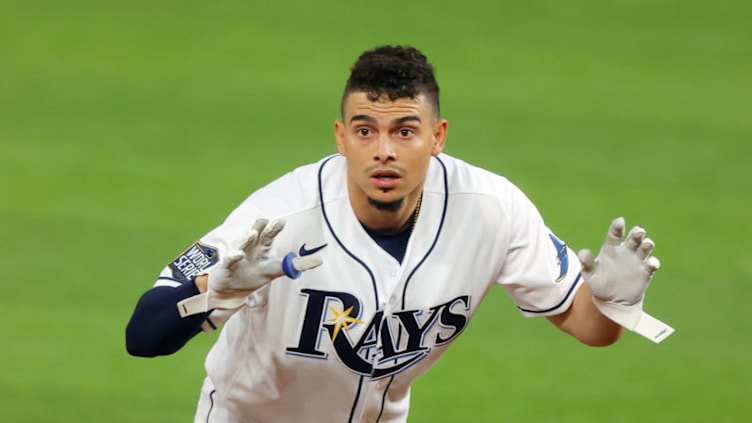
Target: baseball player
(343,281)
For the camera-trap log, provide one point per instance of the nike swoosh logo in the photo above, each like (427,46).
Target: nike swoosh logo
(305,252)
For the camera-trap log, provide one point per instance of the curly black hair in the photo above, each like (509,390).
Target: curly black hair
(393,72)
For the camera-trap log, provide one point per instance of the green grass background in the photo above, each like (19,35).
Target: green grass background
(129,129)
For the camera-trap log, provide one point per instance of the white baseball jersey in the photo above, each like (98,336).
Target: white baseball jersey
(344,342)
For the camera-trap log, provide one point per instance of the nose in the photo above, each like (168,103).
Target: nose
(385,150)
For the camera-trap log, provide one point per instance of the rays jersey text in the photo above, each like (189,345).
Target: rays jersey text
(388,343)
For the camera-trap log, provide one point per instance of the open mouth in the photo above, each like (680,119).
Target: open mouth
(385,179)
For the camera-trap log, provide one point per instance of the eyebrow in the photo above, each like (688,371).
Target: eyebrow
(371,119)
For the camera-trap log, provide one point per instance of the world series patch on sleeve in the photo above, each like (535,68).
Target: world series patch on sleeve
(197,258)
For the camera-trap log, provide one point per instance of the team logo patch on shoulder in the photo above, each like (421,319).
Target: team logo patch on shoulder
(562,257)
(193,261)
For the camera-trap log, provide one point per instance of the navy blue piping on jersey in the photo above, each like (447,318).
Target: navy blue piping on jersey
(438,232)
(383,398)
(420,263)
(211,404)
(435,240)
(359,261)
(357,398)
(336,238)
(571,289)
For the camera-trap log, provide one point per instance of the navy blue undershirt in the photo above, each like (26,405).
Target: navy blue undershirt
(394,244)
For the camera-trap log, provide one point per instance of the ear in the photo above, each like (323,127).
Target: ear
(439,137)
(339,134)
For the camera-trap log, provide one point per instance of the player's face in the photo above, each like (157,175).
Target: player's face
(388,146)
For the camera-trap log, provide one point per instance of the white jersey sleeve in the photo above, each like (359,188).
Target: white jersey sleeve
(540,272)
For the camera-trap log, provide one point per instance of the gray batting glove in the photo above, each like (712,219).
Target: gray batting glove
(619,276)
(246,268)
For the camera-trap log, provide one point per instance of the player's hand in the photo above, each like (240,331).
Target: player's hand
(619,276)
(623,269)
(246,267)
(251,266)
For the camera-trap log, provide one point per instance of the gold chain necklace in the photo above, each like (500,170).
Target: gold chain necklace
(417,209)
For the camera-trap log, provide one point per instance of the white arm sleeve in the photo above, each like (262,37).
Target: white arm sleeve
(540,272)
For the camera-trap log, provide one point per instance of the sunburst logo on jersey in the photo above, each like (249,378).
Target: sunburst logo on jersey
(342,320)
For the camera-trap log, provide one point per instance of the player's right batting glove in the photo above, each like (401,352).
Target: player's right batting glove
(245,268)
(619,277)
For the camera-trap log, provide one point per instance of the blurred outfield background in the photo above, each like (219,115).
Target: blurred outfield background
(128,129)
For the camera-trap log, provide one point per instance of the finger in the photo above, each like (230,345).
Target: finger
(587,260)
(615,232)
(270,232)
(307,262)
(294,266)
(252,238)
(260,224)
(653,264)
(634,238)
(232,258)
(250,241)
(645,248)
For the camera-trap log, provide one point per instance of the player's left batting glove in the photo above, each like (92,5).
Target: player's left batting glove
(246,268)
(619,277)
